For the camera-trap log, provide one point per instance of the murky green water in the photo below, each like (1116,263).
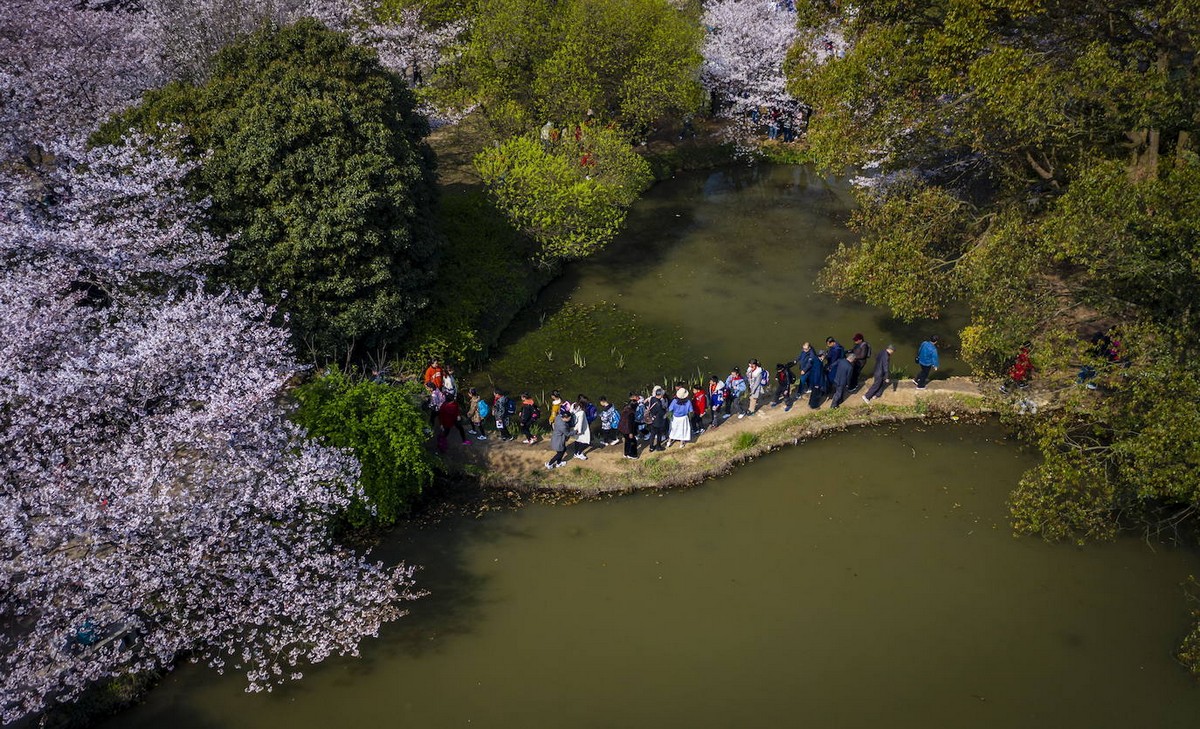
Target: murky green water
(864,580)
(720,266)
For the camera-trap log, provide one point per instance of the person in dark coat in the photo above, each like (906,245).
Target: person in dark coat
(658,420)
(809,366)
(842,370)
(861,351)
(833,353)
(883,364)
(627,426)
(818,383)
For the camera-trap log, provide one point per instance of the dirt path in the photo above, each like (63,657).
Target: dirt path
(516,465)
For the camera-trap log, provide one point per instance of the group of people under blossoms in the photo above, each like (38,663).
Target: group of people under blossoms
(654,418)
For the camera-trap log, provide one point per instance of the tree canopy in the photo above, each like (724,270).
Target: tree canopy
(315,164)
(531,61)
(1034,158)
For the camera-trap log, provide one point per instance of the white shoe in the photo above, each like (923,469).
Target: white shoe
(741,415)
(581,457)
(864,399)
(481,436)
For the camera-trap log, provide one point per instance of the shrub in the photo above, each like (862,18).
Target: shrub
(384,429)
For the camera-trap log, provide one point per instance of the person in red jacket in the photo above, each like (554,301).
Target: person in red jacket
(434,374)
(699,407)
(448,415)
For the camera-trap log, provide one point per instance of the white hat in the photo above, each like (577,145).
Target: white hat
(681,392)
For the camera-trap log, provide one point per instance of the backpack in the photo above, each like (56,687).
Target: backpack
(763,378)
(536,413)
(616,418)
(648,413)
(510,407)
(589,411)
(483,409)
(866,351)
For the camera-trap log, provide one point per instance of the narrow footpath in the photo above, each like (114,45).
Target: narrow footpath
(515,465)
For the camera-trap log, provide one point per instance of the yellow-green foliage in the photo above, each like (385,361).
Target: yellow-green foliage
(568,195)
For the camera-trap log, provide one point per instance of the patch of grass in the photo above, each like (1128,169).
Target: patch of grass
(745,441)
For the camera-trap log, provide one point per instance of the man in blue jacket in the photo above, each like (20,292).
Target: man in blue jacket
(841,373)
(927,357)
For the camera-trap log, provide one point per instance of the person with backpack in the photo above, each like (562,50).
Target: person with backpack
(436,398)
(756,384)
(530,414)
(861,351)
(477,412)
(656,419)
(610,417)
(560,430)
(642,427)
(681,409)
(582,425)
(735,385)
(503,408)
(716,399)
(784,379)
(628,425)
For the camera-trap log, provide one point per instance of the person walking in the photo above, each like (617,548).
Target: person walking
(810,368)
(716,398)
(756,384)
(628,426)
(449,383)
(437,398)
(656,413)
(927,358)
(735,385)
(784,378)
(529,415)
(477,412)
(862,352)
(681,418)
(834,353)
(819,383)
(842,371)
(448,416)
(583,426)
(433,373)
(882,375)
(610,417)
(503,408)
(560,430)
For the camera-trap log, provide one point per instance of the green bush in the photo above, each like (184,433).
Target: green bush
(317,167)
(384,429)
(570,196)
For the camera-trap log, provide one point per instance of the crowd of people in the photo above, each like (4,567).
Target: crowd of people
(655,420)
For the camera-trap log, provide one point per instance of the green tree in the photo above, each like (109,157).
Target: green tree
(531,61)
(1049,179)
(314,160)
(381,425)
(570,196)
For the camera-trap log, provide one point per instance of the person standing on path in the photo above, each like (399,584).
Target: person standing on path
(582,427)
(861,351)
(681,418)
(448,415)
(560,431)
(699,407)
(810,368)
(503,408)
(756,384)
(627,426)
(437,398)
(433,373)
(528,416)
(883,364)
(449,383)
(477,412)
(717,390)
(834,351)
(927,358)
(610,418)
(735,385)
(784,378)
(842,371)
(657,414)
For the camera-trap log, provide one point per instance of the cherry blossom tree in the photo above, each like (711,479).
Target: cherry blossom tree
(744,51)
(64,67)
(154,496)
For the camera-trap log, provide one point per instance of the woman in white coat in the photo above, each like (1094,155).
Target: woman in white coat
(583,429)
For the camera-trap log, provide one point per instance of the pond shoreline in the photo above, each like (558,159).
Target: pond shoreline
(514,466)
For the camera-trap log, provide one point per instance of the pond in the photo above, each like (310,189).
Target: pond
(867,579)
(714,268)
